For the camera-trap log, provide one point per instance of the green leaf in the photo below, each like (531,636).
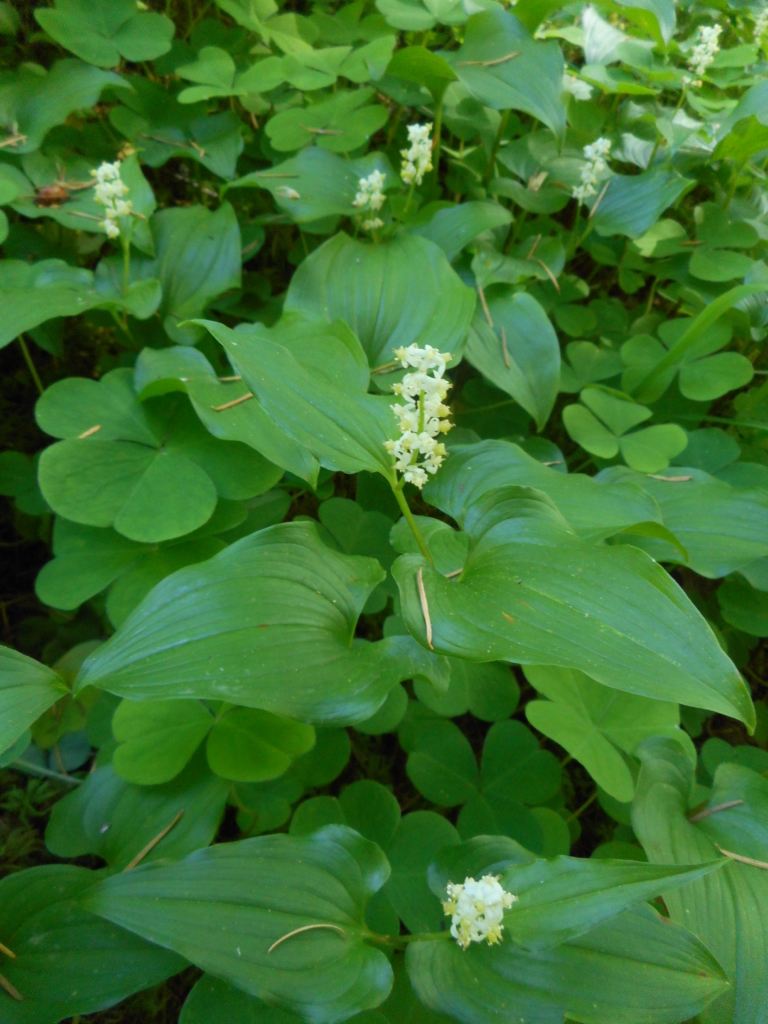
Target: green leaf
(706,379)
(726,910)
(489,691)
(648,450)
(68,962)
(213,1001)
(185,368)
(391,294)
(268,623)
(632,205)
(133,585)
(247,896)
(454,227)
(27,689)
(326,760)
(152,120)
(652,449)
(635,967)
(36,292)
(339,124)
(344,429)
(418,838)
(315,183)
(530,81)
(719,265)
(103,31)
(89,559)
(157,738)
(562,899)
(587,430)
(743,607)
(33,100)
(410,15)
(592,508)
(520,354)
(134,815)
(693,334)
(721,527)
(591,721)
(247,745)
(198,258)
(441,764)
(151,472)
(514,764)
(532,592)
(418,64)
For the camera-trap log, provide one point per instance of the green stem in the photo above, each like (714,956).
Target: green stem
(397,490)
(578,813)
(30,364)
(408,201)
(495,147)
(36,769)
(126,266)
(734,183)
(400,941)
(437,137)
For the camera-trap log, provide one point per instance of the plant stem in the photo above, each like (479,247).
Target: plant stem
(578,813)
(397,490)
(36,769)
(126,265)
(495,147)
(437,143)
(400,941)
(30,365)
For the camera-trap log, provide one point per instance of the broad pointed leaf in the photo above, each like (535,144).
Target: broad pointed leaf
(268,623)
(224,909)
(27,689)
(532,592)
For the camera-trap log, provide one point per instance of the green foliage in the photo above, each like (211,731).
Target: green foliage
(293,662)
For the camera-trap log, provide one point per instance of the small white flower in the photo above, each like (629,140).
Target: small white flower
(373,224)
(422,416)
(370,192)
(578,89)
(476,909)
(108,192)
(761,24)
(417,159)
(594,169)
(705,50)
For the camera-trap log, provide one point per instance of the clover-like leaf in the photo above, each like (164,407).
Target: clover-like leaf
(152,474)
(103,31)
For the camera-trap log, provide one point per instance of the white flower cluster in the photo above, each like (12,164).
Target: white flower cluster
(477,910)
(370,196)
(705,51)
(761,24)
(597,154)
(576,87)
(423,416)
(417,160)
(109,192)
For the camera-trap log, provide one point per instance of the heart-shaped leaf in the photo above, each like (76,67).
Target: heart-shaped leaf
(391,295)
